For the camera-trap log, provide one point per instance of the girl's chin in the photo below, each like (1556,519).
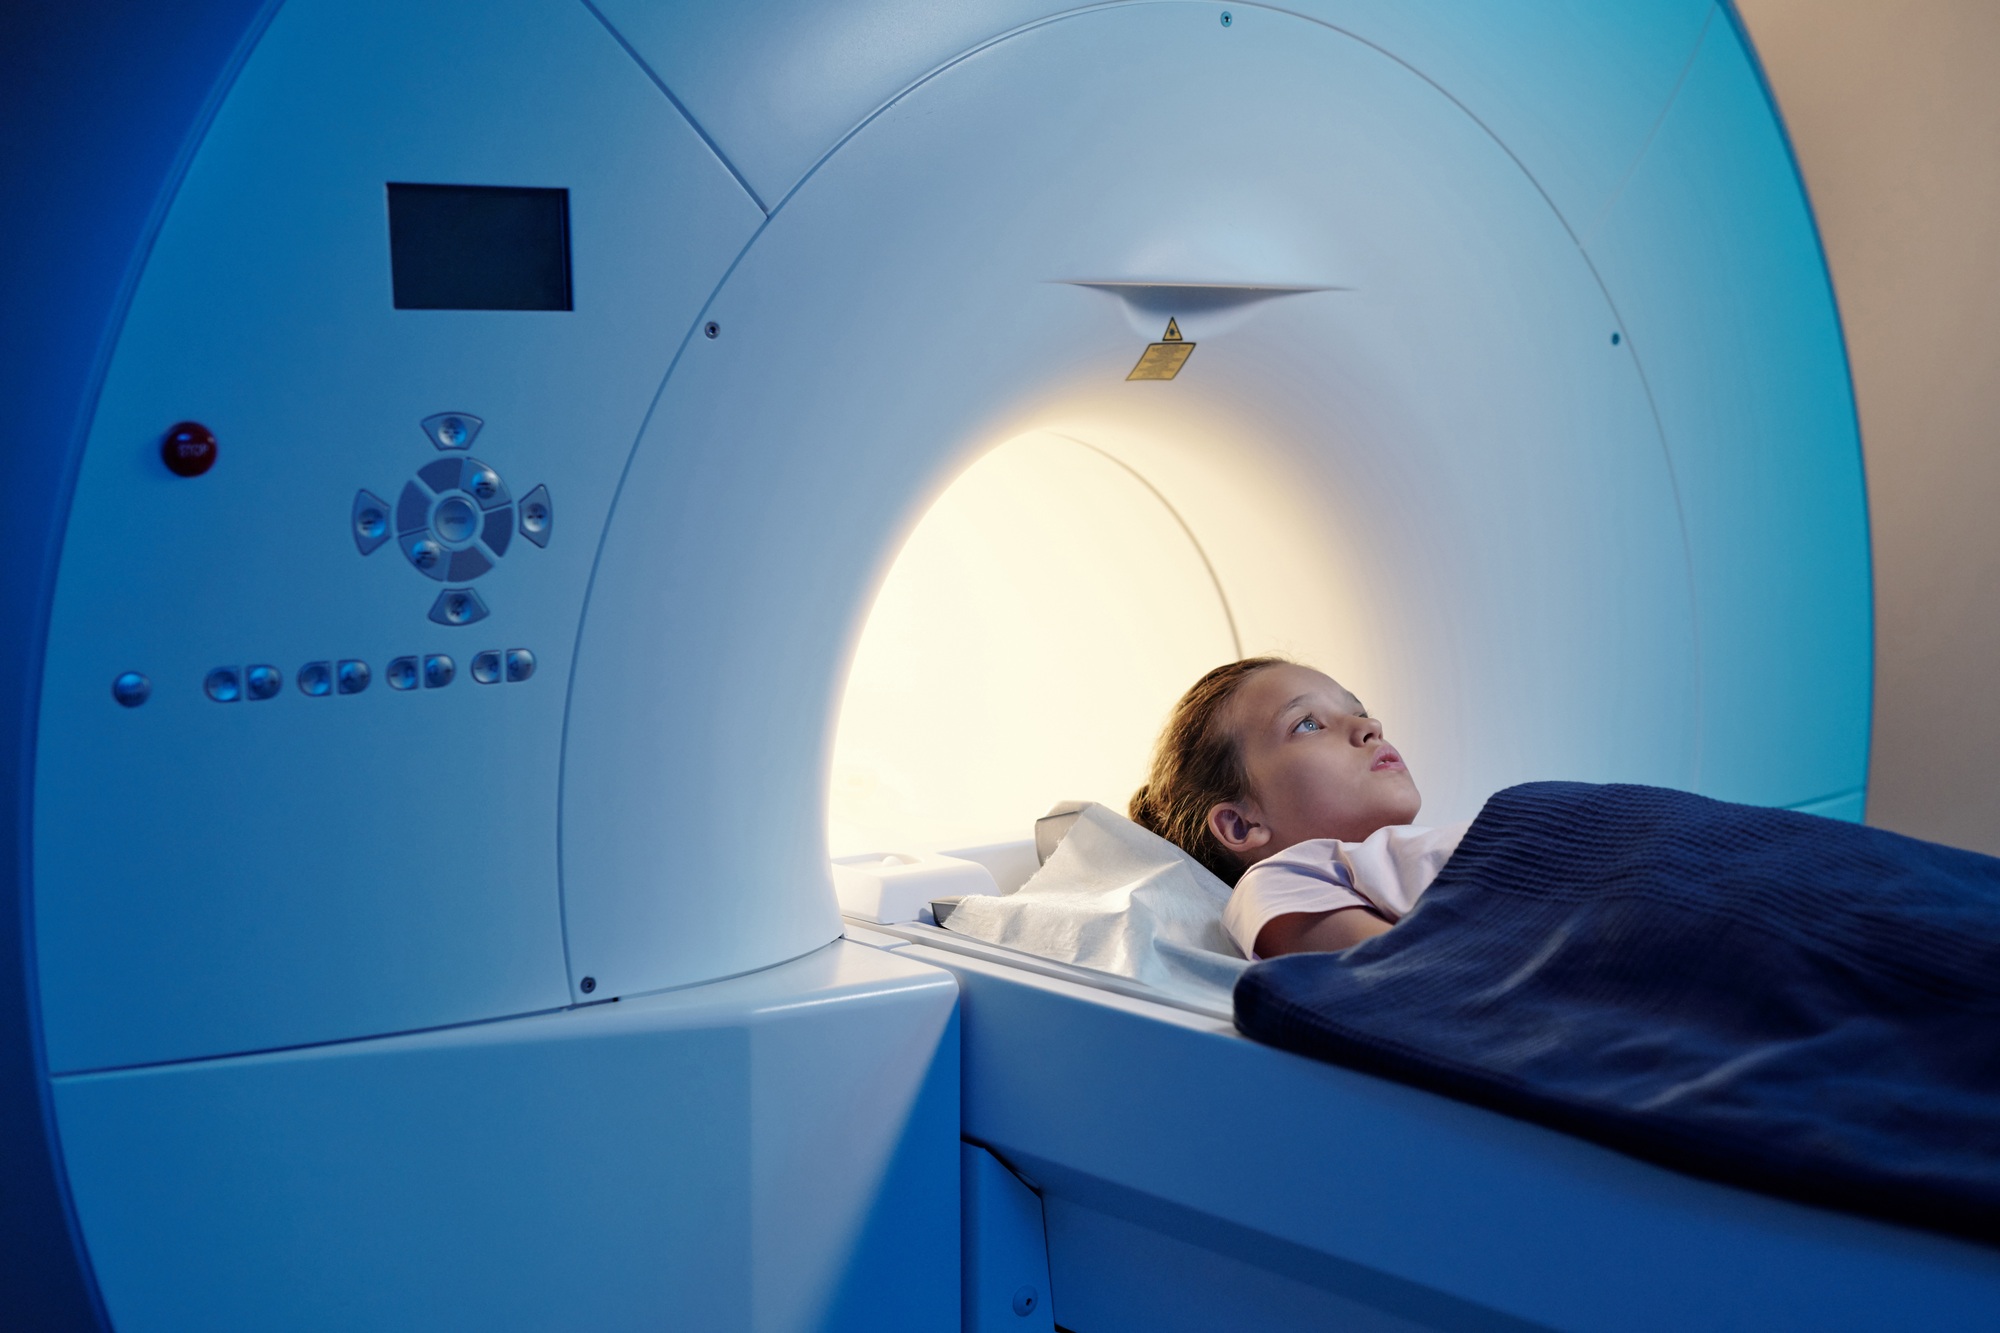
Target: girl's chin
(1400,795)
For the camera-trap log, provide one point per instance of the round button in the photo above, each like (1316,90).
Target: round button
(438,671)
(485,483)
(261,682)
(455,520)
(520,664)
(371,522)
(316,679)
(425,554)
(223,685)
(189,449)
(352,675)
(131,689)
(403,674)
(452,432)
(534,516)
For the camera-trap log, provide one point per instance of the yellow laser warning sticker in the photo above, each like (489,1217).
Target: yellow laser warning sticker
(1163,360)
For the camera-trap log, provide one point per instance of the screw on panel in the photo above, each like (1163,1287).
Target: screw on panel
(1025,1300)
(1227,18)
(131,689)
(712,329)
(1614,340)
(588,985)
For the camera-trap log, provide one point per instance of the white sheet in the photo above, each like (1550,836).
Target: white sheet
(1120,899)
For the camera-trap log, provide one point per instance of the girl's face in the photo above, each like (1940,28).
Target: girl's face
(1318,765)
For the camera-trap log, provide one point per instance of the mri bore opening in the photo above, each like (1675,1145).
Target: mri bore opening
(1025,647)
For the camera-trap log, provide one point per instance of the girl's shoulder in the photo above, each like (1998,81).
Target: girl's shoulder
(1318,858)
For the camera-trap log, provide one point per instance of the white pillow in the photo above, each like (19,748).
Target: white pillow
(1117,898)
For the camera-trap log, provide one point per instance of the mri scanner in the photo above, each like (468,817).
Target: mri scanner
(427,761)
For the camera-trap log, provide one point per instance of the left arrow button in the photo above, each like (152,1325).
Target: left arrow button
(371,521)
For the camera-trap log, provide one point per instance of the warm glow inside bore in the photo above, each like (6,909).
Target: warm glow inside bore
(1024,649)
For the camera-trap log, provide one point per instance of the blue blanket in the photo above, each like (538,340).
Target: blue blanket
(1772,999)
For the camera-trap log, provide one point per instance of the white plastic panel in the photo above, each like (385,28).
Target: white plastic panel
(1163,1213)
(1439,478)
(1122,1277)
(1006,1284)
(1710,256)
(1573,90)
(774,1153)
(776,83)
(898,887)
(214,878)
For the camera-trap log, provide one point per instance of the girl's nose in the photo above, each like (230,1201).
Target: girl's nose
(1364,731)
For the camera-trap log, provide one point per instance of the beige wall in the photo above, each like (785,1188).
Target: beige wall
(1894,109)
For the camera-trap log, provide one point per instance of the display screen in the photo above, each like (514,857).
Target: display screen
(479,247)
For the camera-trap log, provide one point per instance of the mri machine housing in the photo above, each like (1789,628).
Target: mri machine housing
(1519,390)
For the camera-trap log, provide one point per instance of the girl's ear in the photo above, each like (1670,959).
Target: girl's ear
(1235,826)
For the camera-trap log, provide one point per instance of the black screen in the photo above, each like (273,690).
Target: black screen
(479,247)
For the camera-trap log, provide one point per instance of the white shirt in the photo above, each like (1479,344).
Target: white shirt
(1388,871)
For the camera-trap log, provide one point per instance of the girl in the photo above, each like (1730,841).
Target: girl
(1274,777)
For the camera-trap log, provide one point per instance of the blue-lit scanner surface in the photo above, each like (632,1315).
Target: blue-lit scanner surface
(613,1167)
(1518,401)
(1433,437)
(1572,92)
(1708,253)
(1435,473)
(330,901)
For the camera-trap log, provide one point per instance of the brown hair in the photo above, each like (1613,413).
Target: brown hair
(1198,765)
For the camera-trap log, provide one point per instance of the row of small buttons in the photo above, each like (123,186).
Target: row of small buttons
(493,666)
(434,671)
(226,685)
(438,670)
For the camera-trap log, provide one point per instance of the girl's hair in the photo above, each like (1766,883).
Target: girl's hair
(1198,765)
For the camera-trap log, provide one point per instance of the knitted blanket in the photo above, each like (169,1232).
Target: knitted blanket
(1776,1000)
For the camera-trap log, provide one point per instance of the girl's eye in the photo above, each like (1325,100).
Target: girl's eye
(1308,724)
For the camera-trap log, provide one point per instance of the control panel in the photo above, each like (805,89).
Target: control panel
(452,523)
(270,592)
(454,520)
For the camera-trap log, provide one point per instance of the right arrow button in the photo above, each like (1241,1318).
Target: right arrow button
(537,516)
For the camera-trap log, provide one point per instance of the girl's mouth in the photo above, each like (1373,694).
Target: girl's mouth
(1386,758)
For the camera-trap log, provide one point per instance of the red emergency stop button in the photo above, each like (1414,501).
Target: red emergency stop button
(189,449)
